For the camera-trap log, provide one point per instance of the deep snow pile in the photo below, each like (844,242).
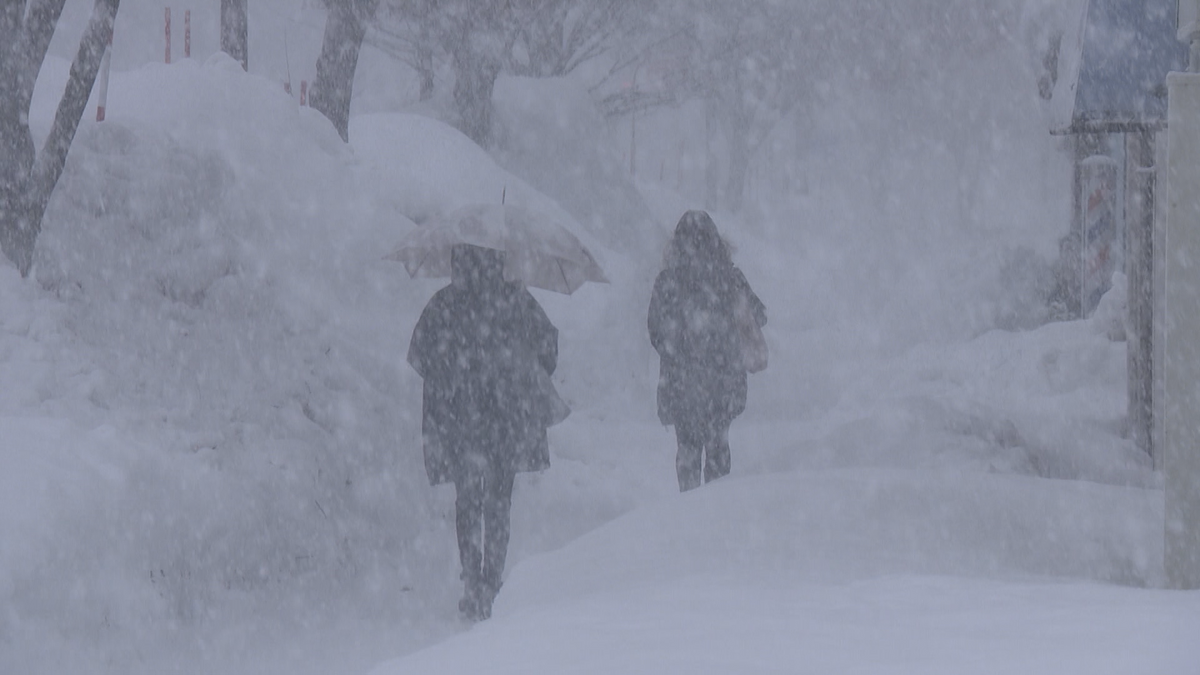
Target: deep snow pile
(210,433)
(862,570)
(901,625)
(218,309)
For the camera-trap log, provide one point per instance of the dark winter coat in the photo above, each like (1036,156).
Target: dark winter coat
(485,349)
(702,374)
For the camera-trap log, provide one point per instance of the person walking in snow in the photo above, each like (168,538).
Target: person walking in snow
(485,350)
(705,323)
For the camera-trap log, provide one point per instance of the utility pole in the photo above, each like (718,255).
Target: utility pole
(1140,196)
(1181,325)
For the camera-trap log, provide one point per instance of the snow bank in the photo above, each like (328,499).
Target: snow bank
(901,625)
(1047,403)
(846,571)
(431,168)
(213,302)
(846,525)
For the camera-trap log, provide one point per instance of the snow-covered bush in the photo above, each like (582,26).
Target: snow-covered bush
(1025,282)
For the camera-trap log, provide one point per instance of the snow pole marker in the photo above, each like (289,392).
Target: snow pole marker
(187,33)
(287,61)
(167,32)
(102,90)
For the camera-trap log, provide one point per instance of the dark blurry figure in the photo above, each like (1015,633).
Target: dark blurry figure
(1066,295)
(486,350)
(705,322)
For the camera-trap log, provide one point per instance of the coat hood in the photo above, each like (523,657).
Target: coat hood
(475,266)
(696,240)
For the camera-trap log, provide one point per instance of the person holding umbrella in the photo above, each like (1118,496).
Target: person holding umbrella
(486,350)
(706,324)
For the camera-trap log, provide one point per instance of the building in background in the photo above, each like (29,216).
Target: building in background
(1110,96)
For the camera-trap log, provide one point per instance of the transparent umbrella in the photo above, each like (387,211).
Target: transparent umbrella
(539,250)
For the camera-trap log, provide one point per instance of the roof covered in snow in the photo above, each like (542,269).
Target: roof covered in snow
(1114,67)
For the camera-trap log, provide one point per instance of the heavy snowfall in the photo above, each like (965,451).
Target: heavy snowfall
(210,437)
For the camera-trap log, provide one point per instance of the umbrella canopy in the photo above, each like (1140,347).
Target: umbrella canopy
(539,251)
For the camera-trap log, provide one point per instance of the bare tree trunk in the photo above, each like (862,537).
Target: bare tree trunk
(425,45)
(474,78)
(22,47)
(16,142)
(12,14)
(31,44)
(734,125)
(39,29)
(25,194)
(425,68)
(235,31)
(345,29)
(712,174)
(739,167)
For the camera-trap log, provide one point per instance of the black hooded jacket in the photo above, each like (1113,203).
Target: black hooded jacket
(479,344)
(692,325)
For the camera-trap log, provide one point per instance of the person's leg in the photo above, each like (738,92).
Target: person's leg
(468,517)
(690,439)
(716,459)
(497,509)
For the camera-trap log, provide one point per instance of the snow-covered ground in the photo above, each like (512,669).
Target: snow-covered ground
(885,625)
(209,442)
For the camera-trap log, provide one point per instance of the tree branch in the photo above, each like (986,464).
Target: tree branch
(35,41)
(53,158)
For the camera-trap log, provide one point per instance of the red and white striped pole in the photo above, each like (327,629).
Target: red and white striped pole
(187,33)
(303,92)
(102,90)
(167,23)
